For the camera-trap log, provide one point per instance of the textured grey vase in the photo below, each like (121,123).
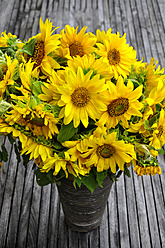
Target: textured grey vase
(83,210)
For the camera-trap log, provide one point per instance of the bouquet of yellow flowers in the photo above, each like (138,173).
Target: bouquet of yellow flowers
(80,105)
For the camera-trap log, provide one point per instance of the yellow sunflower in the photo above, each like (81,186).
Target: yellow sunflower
(139,127)
(37,151)
(66,164)
(119,55)
(102,35)
(153,75)
(106,152)
(73,43)
(80,97)
(157,94)
(38,121)
(122,103)
(158,137)
(50,93)
(91,63)
(8,76)
(6,128)
(46,43)
(5,38)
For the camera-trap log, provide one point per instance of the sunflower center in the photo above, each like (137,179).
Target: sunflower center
(80,97)
(105,151)
(38,53)
(118,106)
(76,49)
(113,57)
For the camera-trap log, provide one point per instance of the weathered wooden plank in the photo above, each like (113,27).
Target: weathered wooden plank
(106,15)
(137,28)
(104,230)
(160,206)
(54,213)
(152,220)
(141,210)
(5,14)
(73,240)
(133,224)
(94,238)
(122,213)
(114,237)
(101,25)
(161,10)
(8,196)
(157,30)
(33,219)
(26,202)
(130,32)
(16,206)
(4,174)
(63,231)
(161,160)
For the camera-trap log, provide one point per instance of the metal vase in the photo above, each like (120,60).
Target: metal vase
(83,210)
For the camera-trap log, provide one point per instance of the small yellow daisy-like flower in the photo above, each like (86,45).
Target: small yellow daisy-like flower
(73,43)
(158,137)
(91,63)
(80,97)
(119,55)
(46,43)
(8,76)
(107,152)
(148,170)
(5,37)
(122,103)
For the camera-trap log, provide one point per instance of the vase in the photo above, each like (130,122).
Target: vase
(82,209)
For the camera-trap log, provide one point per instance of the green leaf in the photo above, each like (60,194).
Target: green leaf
(44,178)
(4,107)
(126,171)
(29,47)
(1,156)
(36,88)
(66,132)
(17,153)
(100,176)
(4,153)
(11,139)
(89,181)
(161,151)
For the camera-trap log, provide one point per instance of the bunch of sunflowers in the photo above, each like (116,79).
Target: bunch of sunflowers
(80,105)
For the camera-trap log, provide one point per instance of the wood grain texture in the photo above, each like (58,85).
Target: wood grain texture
(134,217)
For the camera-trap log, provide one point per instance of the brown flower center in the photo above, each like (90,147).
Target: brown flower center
(76,49)
(105,151)
(118,106)
(80,97)
(113,57)
(38,53)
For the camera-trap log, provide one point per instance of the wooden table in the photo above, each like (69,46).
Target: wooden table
(31,216)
